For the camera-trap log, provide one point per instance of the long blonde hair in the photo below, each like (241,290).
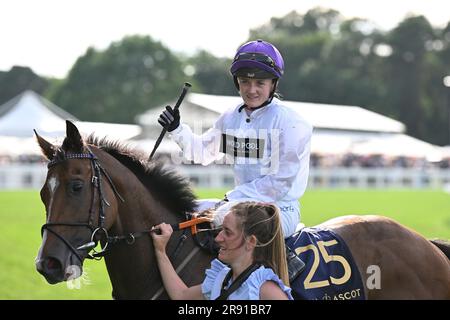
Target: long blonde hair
(263,221)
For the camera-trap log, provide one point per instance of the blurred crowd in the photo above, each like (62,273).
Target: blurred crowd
(351,160)
(348,160)
(21,159)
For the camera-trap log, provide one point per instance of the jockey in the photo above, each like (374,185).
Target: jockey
(267,143)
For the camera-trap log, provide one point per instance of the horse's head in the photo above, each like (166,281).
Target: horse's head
(80,202)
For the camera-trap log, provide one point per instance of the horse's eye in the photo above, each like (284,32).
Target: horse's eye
(76,186)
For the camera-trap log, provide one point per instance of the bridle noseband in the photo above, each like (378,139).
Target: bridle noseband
(96,231)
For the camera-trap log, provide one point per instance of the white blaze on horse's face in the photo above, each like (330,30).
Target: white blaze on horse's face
(52,185)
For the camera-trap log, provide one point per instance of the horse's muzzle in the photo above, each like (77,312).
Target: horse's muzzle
(52,269)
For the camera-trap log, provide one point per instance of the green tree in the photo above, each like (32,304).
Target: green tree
(210,74)
(441,93)
(397,73)
(301,42)
(406,72)
(326,57)
(120,82)
(328,60)
(19,79)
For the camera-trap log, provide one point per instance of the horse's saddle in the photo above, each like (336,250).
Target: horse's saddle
(330,272)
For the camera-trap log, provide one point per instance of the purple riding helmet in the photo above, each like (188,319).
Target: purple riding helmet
(258,59)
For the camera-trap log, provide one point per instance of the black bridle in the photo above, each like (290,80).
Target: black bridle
(96,230)
(99,230)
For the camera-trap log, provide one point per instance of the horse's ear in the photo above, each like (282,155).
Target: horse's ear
(73,139)
(47,148)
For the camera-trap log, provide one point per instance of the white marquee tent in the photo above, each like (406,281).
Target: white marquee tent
(29,111)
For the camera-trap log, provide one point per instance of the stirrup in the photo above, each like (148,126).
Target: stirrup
(295,265)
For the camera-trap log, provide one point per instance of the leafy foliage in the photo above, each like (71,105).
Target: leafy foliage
(19,79)
(121,82)
(211,74)
(397,73)
(328,59)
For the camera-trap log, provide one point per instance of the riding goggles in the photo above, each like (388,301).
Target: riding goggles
(259,57)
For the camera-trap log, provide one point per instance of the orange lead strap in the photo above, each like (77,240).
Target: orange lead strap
(191,223)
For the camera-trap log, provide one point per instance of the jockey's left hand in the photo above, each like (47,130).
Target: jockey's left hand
(169,118)
(161,234)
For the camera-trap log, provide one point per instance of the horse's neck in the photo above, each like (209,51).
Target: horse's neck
(132,268)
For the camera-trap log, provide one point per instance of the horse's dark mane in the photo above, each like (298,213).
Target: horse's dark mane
(165,184)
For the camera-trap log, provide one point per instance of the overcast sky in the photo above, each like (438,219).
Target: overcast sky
(49,35)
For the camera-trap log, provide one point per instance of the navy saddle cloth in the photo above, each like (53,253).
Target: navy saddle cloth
(330,272)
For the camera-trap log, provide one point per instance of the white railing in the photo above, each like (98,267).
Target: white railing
(32,176)
(22,176)
(379,178)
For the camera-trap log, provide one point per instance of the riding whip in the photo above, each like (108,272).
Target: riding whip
(186,87)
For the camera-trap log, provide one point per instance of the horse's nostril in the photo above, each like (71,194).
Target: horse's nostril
(51,269)
(52,264)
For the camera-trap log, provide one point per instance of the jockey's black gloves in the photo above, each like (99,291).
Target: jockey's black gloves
(169,119)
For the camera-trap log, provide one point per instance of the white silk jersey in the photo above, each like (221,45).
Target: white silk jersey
(269,150)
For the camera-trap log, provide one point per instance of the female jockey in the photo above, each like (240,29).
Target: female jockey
(267,143)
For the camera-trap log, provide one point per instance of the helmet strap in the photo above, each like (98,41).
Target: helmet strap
(275,85)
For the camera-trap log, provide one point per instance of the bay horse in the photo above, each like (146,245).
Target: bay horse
(98,190)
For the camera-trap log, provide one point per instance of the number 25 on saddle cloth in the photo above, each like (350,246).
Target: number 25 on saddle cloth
(330,272)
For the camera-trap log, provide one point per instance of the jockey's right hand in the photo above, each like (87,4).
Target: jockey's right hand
(169,119)
(161,234)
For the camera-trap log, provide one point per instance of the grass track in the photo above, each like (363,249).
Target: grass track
(22,214)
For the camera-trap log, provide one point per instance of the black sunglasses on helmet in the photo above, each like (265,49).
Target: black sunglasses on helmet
(259,57)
